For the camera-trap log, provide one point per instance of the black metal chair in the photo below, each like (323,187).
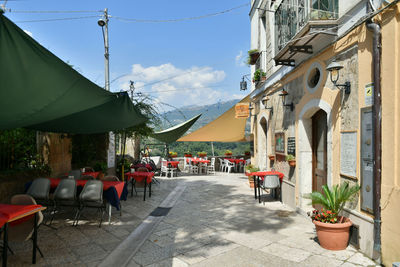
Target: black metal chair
(65,196)
(91,197)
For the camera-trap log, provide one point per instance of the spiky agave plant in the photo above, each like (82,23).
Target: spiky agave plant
(334,199)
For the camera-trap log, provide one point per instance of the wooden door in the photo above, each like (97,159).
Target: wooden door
(319,150)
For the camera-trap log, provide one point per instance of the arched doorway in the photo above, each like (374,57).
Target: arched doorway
(319,150)
(314,148)
(262,143)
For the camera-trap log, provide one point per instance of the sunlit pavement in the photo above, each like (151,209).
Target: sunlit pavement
(215,222)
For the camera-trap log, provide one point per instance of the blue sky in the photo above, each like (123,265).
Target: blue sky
(204,55)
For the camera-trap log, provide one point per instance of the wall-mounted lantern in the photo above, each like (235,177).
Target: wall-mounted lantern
(243,83)
(283,94)
(264,101)
(334,69)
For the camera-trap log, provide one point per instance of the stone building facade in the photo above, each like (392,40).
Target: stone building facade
(328,130)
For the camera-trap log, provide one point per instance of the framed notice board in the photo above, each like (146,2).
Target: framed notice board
(280,142)
(348,153)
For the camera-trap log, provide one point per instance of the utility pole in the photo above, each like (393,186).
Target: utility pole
(103,23)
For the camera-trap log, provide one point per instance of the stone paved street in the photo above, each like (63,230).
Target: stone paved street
(215,222)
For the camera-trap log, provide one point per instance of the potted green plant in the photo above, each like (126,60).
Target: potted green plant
(249,169)
(291,160)
(252,57)
(263,76)
(332,229)
(257,76)
(228,152)
(202,154)
(173,154)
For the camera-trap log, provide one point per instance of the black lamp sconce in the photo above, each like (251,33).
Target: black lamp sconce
(283,94)
(264,101)
(243,83)
(334,69)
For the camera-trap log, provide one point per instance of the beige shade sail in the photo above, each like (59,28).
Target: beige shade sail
(225,128)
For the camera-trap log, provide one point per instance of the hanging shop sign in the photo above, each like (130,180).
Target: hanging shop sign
(242,110)
(348,153)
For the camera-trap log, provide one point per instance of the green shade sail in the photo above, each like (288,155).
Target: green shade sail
(172,134)
(116,114)
(38,90)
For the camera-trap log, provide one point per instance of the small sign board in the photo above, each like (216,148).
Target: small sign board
(111,151)
(280,142)
(369,94)
(242,110)
(348,153)
(291,146)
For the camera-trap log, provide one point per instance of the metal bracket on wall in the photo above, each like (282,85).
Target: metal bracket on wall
(301,49)
(285,62)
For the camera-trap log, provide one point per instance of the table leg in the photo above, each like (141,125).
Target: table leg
(255,187)
(259,190)
(132,188)
(109,213)
(150,189)
(5,244)
(145,185)
(34,240)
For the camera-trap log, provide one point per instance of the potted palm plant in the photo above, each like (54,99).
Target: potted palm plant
(332,229)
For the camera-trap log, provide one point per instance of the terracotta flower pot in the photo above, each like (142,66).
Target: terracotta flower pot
(292,163)
(271,157)
(254,57)
(251,181)
(333,236)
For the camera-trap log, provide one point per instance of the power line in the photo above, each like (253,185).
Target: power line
(53,11)
(184,89)
(57,19)
(179,19)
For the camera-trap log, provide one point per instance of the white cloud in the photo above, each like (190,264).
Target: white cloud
(239,59)
(178,87)
(29,33)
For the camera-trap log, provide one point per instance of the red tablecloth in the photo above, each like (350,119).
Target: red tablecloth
(94,174)
(199,160)
(119,186)
(262,174)
(11,212)
(237,161)
(174,164)
(140,176)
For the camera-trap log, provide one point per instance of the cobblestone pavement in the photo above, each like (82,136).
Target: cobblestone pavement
(215,222)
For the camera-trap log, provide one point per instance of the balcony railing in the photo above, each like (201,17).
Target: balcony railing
(292,15)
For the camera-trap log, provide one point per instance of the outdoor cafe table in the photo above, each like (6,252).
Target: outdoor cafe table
(11,214)
(139,177)
(236,161)
(93,174)
(261,176)
(174,164)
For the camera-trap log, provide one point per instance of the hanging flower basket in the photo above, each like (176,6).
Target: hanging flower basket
(253,56)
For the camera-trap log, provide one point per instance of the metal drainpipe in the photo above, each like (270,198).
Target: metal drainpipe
(377,122)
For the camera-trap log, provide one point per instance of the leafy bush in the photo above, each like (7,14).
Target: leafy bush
(290,157)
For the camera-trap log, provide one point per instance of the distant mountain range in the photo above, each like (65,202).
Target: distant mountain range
(210,113)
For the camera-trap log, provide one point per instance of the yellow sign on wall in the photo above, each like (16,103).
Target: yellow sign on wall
(242,110)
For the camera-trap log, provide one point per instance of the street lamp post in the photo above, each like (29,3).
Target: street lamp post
(103,23)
